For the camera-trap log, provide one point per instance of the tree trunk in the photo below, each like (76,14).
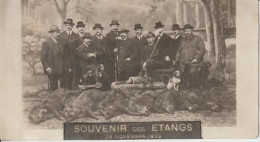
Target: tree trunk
(209,30)
(219,38)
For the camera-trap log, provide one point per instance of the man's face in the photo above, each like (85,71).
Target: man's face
(176,32)
(123,35)
(55,34)
(188,32)
(98,31)
(114,28)
(81,29)
(87,41)
(158,31)
(68,27)
(138,32)
(150,40)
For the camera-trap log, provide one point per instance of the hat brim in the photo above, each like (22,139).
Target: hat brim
(51,31)
(114,24)
(159,27)
(81,25)
(124,31)
(138,28)
(188,28)
(69,23)
(97,27)
(177,29)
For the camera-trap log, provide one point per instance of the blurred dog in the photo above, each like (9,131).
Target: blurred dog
(174,82)
(140,80)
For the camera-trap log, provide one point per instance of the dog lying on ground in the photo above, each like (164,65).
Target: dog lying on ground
(51,106)
(84,105)
(174,82)
(140,80)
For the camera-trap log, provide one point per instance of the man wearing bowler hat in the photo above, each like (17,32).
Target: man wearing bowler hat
(87,54)
(149,55)
(164,45)
(126,52)
(190,52)
(112,40)
(139,41)
(100,43)
(52,58)
(175,41)
(81,30)
(72,42)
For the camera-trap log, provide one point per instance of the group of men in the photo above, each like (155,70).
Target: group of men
(66,56)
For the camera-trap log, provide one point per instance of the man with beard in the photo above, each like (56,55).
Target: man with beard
(72,40)
(112,38)
(164,45)
(191,51)
(175,41)
(52,58)
(126,52)
(81,30)
(139,41)
(100,43)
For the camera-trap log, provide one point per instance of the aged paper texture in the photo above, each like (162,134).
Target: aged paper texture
(210,76)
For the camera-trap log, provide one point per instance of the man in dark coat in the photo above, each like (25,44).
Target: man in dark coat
(175,41)
(164,45)
(72,40)
(81,30)
(100,43)
(139,41)
(127,56)
(112,38)
(53,57)
(150,55)
(87,54)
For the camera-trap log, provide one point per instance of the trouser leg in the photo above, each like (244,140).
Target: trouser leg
(53,82)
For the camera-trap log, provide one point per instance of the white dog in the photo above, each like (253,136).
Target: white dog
(174,82)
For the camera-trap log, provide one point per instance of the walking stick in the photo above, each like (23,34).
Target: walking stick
(116,67)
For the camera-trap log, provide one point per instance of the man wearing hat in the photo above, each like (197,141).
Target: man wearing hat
(112,40)
(139,41)
(191,49)
(52,58)
(100,43)
(149,54)
(81,30)
(164,45)
(71,41)
(87,54)
(127,60)
(175,41)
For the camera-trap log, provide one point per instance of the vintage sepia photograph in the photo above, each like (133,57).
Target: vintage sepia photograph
(128,61)
(129,69)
